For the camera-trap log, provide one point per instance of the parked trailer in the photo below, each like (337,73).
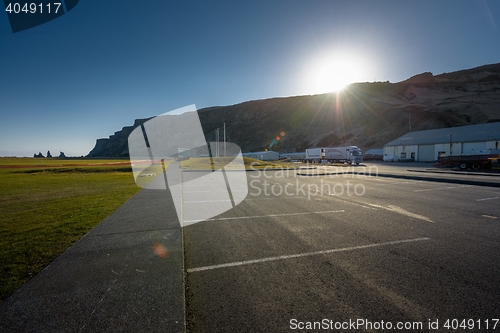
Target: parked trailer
(347,154)
(468,161)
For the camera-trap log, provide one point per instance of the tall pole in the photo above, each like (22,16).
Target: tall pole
(218,154)
(451,144)
(216,142)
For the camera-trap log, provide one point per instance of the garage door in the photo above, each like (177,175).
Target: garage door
(473,147)
(426,153)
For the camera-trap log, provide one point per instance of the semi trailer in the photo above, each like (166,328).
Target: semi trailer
(475,162)
(346,154)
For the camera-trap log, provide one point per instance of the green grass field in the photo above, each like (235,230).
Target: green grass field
(48,204)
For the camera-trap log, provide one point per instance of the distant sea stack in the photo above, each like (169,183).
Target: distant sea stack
(368,115)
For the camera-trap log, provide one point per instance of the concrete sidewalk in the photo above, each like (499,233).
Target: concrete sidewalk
(112,280)
(493,173)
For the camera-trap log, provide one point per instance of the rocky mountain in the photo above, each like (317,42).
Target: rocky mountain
(117,144)
(365,114)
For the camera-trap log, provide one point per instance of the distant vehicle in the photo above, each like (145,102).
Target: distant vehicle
(475,162)
(347,154)
(293,156)
(373,155)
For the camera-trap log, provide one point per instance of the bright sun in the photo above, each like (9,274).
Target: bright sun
(336,76)
(333,73)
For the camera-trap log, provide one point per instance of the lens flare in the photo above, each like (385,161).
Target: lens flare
(160,250)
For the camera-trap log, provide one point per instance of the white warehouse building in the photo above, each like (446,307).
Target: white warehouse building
(425,146)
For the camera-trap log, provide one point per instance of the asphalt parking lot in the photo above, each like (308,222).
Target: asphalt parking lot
(331,250)
(372,248)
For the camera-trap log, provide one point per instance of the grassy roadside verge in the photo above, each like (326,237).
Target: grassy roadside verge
(48,204)
(205,163)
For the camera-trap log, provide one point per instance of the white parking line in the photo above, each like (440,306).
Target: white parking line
(401,211)
(306,254)
(389,182)
(356,204)
(434,189)
(492,198)
(271,215)
(441,188)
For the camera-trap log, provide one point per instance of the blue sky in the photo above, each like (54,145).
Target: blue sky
(95,69)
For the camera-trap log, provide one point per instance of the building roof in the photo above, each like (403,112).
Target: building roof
(374,151)
(471,133)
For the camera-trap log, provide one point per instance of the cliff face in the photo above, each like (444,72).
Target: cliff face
(365,114)
(117,144)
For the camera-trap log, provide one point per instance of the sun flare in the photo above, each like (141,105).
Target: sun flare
(334,73)
(336,76)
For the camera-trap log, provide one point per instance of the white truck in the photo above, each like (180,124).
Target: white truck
(347,154)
